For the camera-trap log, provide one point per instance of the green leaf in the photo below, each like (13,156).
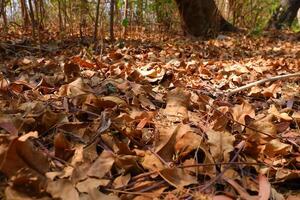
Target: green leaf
(125,22)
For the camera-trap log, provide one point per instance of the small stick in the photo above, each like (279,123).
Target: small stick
(250,85)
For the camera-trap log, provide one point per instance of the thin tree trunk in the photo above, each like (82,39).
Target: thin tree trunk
(3,13)
(111,24)
(70,21)
(60,16)
(125,19)
(31,13)
(42,14)
(140,11)
(83,13)
(66,17)
(24,12)
(97,20)
(298,16)
(81,20)
(38,21)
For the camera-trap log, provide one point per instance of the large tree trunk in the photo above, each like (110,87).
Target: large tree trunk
(284,14)
(202,17)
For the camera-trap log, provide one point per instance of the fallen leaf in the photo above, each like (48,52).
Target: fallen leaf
(177,103)
(221,144)
(239,112)
(90,184)
(62,189)
(177,177)
(102,165)
(264,187)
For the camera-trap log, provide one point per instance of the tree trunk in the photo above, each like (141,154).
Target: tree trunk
(202,18)
(59,16)
(96,21)
(24,12)
(140,11)
(83,22)
(284,14)
(298,16)
(33,23)
(43,14)
(38,21)
(111,23)
(3,13)
(125,19)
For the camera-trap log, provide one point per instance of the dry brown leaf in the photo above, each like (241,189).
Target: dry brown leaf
(285,116)
(187,141)
(128,163)
(242,192)
(271,91)
(284,174)
(90,184)
(20,161)
(262,131)
(13,194)
(239,112)
(221,197)
(293,197)
(62,189)
(276,147)
(75,88)
(264,187)
(102,165)
(221,144)
(62,147)
(121,181)
(50,119)
(276,196)
(7,124)
(95,194)
(31,134)
(177,104)
(71,70)
(152,162)
(177,177)
(166,142)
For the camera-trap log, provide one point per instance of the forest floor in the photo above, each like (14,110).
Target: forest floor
(151,119)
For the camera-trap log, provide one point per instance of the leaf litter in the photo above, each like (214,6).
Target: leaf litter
(152,122)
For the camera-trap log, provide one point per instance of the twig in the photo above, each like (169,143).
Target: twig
(46,151)
(250,85)
(213,164)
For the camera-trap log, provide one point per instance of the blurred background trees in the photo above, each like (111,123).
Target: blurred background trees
(130,18)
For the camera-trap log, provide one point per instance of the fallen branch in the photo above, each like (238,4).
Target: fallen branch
(250,85)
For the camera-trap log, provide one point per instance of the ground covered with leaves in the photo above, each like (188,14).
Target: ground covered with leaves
(151,119)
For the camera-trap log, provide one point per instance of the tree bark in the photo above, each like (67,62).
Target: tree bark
(298,16)
(3,13)
(33,23)
(284,14)
(140,11)
(24,12)
(96,21)
(202,18)
(111,22)
(125,17)
(59,16)
(83,22)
